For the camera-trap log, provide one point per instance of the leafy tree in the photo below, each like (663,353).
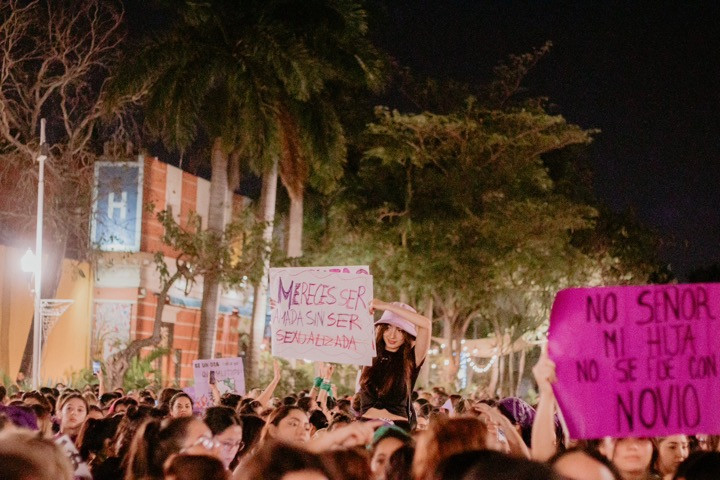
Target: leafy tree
(457,212)
(254,80)
(235,257)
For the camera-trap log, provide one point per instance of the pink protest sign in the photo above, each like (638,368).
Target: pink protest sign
(637,361)
(322,315)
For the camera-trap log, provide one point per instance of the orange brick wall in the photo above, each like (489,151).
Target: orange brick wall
(186,324)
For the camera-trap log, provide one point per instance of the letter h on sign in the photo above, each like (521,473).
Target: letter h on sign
(121,205)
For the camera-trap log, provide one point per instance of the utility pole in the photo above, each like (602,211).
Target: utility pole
(38,317)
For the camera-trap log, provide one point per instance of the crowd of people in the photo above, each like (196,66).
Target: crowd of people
(388,430)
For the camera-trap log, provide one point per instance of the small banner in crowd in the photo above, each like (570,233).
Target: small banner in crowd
(227,374)
(322,314)
(637,361)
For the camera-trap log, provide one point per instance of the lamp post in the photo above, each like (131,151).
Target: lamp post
(37,317)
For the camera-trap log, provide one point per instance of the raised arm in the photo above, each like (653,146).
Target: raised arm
(544,443)
(267,394)
(421,322)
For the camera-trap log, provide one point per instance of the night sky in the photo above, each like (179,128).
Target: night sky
(646,74)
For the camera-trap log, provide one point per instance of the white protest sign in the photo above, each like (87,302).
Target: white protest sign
(80,468)
(227,374)
(322,315)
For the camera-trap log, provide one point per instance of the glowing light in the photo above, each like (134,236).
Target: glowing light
(484,369)
(28,262)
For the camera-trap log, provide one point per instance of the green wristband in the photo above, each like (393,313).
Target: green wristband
(327,387)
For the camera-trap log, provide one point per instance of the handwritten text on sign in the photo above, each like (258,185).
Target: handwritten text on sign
(322,315)
(637,361)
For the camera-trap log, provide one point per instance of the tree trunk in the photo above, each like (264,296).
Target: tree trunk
(424,376)
(266,213)
(216,225)
(511,372)
(521,371)
(447,352)
(118,363)
(295,227)
(501,376)
(494,377)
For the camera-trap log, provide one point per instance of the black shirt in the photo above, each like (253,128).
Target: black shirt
(397,399)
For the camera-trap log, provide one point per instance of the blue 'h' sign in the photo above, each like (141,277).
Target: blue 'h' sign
(117,206)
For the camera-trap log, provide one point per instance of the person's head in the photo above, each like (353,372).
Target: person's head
(338,420)
(480,464)
(26,456)
(700,465)
(307,404)
(580,464)
(445,437)
(671,451)
(343,405)
(288,424)
(399,464)
(231,400)
(166,394)
(156,441)
(520,414)
(20,416)
(252,426)
(44,420)
(106,399)
(396,332)
(121,405)
(181,405)
(226,428)
(386,441)
(280,461)
(318,421)
(195,467)
(34,397)
(252,408)
(632,456)
(96,435)
(73,410)
(347,463)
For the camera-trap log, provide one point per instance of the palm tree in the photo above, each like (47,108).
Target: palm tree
(253,76)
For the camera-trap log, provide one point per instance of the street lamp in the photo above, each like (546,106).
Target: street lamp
(28,262)
(37,317)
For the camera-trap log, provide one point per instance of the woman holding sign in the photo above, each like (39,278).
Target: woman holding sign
(402,337)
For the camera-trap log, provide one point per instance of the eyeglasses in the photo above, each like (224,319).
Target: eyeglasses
(232,445)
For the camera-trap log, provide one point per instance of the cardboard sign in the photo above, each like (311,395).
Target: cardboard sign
(637,361)
(227,374)
(322,315)
(80,468)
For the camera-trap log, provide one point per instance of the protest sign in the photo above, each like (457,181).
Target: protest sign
(322,315)
(227,374)
(637,361)
(79,466)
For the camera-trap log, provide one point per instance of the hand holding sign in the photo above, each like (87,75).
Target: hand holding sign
(544,373)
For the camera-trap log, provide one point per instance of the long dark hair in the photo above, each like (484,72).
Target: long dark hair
(381,376)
